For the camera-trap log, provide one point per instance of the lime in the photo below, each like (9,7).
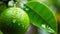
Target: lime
(14,21)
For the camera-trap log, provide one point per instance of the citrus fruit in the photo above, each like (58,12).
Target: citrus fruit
(14,21)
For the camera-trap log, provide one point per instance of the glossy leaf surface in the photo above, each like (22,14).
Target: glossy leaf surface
(41,16)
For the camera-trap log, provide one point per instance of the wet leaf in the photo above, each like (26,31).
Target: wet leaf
(41,16)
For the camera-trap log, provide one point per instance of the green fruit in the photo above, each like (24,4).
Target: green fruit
(14,21)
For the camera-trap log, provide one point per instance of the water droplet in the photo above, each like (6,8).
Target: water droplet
(22,25)
(43,25)
(14,21)
(27,9)
(18,23)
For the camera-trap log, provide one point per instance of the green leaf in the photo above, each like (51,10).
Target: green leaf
(41,16)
